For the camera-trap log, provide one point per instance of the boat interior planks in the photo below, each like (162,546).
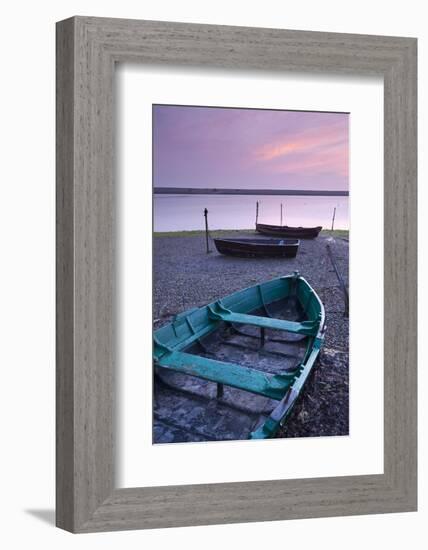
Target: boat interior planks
(233,369)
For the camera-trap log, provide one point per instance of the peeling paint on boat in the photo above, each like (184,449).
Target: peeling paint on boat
(233,369)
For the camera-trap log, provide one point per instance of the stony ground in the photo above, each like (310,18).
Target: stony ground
(185,277)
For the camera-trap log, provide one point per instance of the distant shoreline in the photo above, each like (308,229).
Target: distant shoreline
(223,232)
(220,191)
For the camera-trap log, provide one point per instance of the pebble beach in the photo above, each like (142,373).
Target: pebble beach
(185,276)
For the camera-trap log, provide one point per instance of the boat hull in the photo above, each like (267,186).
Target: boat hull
(287,231)
(262,248)
(233,369)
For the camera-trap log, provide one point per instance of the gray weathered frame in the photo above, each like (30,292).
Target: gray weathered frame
(87,50)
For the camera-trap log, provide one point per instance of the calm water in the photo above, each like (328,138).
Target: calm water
(186,212)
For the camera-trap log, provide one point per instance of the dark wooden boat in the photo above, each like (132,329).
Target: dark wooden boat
(250,248)
(233,369)
(287,231)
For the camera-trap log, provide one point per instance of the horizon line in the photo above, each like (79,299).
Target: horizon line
(237,191)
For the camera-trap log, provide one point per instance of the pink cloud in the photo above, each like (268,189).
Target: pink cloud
(319,150)
(334,160)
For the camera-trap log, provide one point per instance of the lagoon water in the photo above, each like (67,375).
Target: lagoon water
(186,212)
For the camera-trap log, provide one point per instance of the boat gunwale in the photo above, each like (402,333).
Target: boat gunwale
(289,227)
(192,311)
(252,242)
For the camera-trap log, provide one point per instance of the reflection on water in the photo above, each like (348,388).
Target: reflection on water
(186,212)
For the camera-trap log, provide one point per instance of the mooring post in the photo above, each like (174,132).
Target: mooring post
(281,215)
(332,221)
(206,230)
(257,211)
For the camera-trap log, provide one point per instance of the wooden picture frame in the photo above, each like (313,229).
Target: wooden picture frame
(87,50)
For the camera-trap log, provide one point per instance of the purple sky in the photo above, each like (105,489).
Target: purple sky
(246,148)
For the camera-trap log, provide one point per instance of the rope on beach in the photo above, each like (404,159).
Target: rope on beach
(340,279)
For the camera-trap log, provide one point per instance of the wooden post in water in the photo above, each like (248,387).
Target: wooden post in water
(332,221)
(281,215)
(206,230)
(257,211)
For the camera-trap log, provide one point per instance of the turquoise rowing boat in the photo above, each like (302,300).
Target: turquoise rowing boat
(233,369)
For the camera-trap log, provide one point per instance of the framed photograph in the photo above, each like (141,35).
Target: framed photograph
(251,361)
(236,274)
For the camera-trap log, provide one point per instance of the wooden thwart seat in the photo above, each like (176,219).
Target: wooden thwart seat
(308,328)
(244,378)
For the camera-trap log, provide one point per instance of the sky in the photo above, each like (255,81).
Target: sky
(249,148)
